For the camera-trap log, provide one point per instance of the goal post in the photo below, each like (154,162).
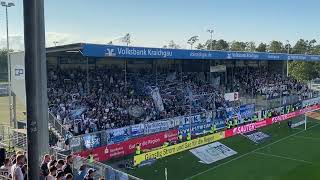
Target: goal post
(305,121)
(296,123)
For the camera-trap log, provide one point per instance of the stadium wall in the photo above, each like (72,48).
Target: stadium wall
(18,85)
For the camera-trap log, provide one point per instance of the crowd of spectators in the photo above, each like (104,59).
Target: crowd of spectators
(112,100)
(269,85)
(62,169)
(15,166)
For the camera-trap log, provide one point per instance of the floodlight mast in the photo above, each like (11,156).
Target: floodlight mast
(7,5)
(211,31)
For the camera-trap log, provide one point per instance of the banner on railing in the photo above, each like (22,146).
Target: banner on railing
(137,130)
(128,147)
(200,128)
(75,142)
(234,96)
(232,112)
(246,111)
(118,135)
(200,123)
(91,140)
(158,126)
(310,102)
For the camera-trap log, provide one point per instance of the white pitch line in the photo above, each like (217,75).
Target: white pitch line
(283,157)
(243,155)
(299,128)
(312,138)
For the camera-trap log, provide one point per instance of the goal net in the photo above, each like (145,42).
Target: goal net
(301,121)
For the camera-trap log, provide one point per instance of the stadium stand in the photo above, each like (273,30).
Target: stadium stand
(112,103)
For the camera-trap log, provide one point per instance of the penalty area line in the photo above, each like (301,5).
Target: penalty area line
(282,157)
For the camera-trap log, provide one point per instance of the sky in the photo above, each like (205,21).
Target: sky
(153,23)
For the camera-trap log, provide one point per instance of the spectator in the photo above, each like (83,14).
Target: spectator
(90,174)
(16,172)
(7,164)
(69,177)
(52,174)
(24,170)
(52,163)
(6,167)
(82,172)
(60,164)
(67,167)
(60,175)
(44,165)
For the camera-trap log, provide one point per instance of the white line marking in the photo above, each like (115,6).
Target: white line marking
(303,137)
(282,157)
(287,137)
(298,128)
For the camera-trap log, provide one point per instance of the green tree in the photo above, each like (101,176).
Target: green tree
(276,47)
(3,60)
(315,50)
(201,46)
(172,45)
(262,47)
(238,46)
(303,71)
(251,46)
(221,45)
(304,46)
(193,40)
(211,44)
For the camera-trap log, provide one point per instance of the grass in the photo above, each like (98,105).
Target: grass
(4,111)
(290,154)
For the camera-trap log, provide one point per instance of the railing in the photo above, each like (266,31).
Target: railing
(57,125)
(13,137)
(101,170)
(262,103)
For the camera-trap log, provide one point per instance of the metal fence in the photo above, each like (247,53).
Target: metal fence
(57,125)
(101,170)
(13,138)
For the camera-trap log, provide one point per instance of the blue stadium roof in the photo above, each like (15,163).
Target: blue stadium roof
(100,50)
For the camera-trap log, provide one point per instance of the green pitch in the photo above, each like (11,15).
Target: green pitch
(290,154)
(4,111)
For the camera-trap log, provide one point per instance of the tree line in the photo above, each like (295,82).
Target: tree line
(300,70)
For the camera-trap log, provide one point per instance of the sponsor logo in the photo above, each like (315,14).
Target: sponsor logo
(244,129)
(106,150)
(213,152)
(261,124)
(110,52)
(257,137)
(229,56)
(19,73)
(277,119)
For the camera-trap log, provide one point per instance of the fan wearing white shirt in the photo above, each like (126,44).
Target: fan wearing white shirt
(16,171)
